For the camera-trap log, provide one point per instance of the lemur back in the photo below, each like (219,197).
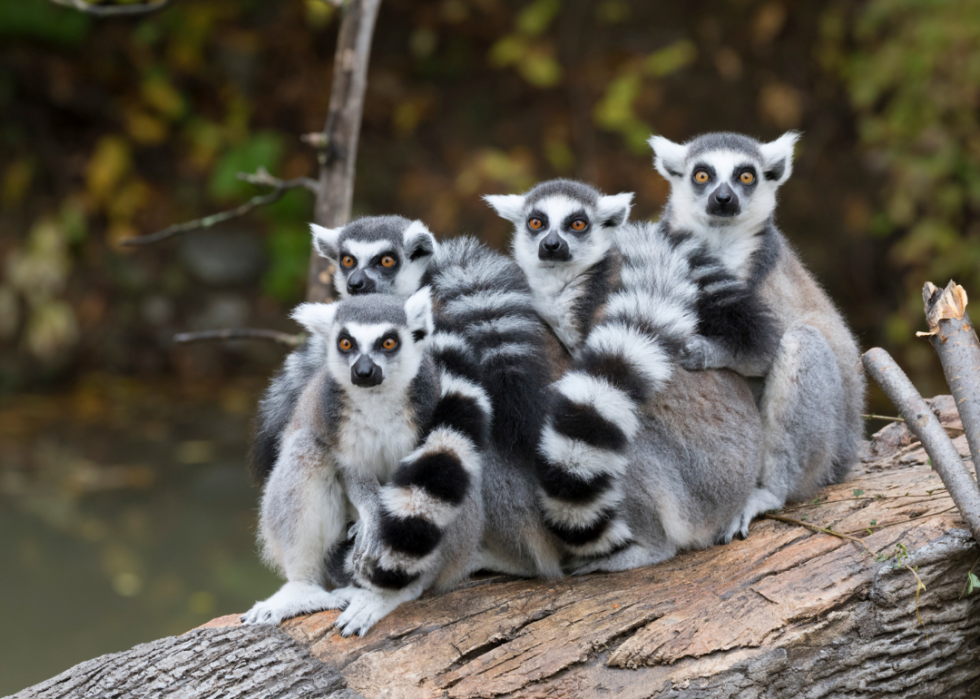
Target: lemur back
(386,435)
(723,195)
(622,313)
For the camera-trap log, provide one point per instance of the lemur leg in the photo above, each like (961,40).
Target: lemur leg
(302,520)
(800,415)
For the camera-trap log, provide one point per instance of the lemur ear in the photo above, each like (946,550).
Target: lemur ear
(419,242)
(668,157)
(418,310)
(777,157)
(508,206)
(612,211)
(325,240)
(315,317)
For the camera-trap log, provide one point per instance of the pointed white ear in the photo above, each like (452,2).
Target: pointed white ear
(508,206)
(777,157)
(668,157)
(325,240)
(418,309)
(613,210)
(315,317)
(419,241)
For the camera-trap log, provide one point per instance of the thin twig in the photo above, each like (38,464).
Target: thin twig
(872,416)
(261,178)
(280,338)
(113,10)
(824,530)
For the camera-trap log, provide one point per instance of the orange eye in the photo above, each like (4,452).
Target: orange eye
(390,343)
(701,176)
(747,178)
(387,261)
(345,345)
(535,224)
(348,261)
(578,224)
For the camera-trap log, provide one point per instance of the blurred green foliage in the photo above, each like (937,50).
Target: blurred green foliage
(912,71)
(121,128)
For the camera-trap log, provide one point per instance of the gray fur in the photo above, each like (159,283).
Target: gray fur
(814,388)
(343,458)
(674,496)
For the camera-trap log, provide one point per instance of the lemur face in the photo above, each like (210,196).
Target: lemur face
(372,340)
(724,179)
(376,254)
(562,223)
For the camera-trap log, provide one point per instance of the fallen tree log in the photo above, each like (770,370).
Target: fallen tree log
(789,612)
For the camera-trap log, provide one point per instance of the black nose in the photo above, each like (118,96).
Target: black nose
(365,372)
(554,248)
(724,202)
(360,283)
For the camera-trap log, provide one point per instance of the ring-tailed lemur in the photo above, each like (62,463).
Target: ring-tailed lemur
(723,196)
(629,468)
(483,301)
(351,452)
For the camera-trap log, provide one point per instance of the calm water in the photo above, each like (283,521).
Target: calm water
(125,515)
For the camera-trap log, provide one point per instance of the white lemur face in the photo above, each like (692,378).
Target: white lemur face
(723,180)
(372,340)
(376,254)
(562,224)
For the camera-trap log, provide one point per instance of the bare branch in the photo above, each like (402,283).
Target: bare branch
(113,10)
(261,178)
(955,341)
(925,425)
(280,338)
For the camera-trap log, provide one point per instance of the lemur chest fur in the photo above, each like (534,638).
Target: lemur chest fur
(734,246)
(376,434)
(556,299)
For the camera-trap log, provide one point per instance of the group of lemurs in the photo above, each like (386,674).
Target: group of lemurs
(611,394)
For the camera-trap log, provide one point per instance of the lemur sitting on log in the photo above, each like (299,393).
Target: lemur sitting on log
(387,434)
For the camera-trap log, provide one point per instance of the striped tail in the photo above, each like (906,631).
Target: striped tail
(486,298)
(431,485)
(626,360)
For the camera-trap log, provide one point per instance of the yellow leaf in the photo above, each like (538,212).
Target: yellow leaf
(109,163)
(145,129)
(16,181)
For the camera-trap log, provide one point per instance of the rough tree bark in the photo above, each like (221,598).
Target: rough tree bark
(337,144)
(789,612)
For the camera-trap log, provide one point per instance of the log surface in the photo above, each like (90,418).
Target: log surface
(789,612)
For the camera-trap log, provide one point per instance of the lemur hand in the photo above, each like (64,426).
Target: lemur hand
(367,550)
(694,354)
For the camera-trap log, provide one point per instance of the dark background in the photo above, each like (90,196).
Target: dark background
(112,440)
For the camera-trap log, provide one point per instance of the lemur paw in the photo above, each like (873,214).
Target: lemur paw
(292,599)
(367,607)
(694,354)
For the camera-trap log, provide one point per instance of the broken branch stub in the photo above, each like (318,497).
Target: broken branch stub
(955,341)
(926,426)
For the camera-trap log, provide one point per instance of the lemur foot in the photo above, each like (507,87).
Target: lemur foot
(694,354)
(366,608)
(760,502)
(292,599)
